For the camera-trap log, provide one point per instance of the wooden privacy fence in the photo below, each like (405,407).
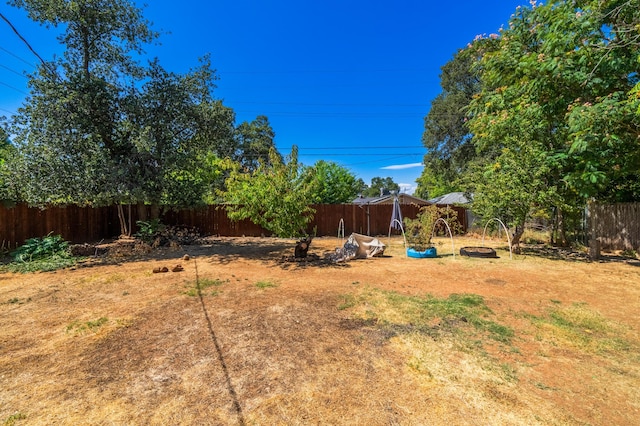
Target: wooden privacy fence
(76,224)
(615,226)
(89,224)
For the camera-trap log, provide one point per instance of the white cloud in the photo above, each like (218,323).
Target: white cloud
(407,188)
(401,166)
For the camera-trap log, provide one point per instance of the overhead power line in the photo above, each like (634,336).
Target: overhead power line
(335,71)
(14,88)
(15,30)
(328,104)
(13,71)
(17,57)
(351,148)
(360,154)
(6,110)
(336,114)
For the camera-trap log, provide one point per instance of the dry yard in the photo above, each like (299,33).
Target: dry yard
(241,337)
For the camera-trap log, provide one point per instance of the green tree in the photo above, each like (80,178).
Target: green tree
(513,185)
(604,122)
(254,142)
(446,136)
(545,66)
(5,145)
(381,186)
(361,185)
(122,133)
(84,156)
(432,184)
(177,125)
(277,195)
(7,192)
(334,184)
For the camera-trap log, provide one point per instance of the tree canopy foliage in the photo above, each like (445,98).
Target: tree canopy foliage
(553,121)
(254,143)
(102,127)
(276,195)
(380,186)
(446,136)
(6,150)
(334,184)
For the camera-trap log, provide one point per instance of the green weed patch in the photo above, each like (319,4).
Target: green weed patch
(266,284)
(78,327)
(578,326)
(200,286)
(459,314)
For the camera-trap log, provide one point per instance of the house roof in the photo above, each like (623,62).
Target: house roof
(451,198)
(388,199)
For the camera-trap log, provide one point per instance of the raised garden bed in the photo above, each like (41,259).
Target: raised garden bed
(478,252)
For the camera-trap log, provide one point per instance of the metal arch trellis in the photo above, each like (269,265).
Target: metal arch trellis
(506,231)
(403,235)
(453,248)
(341,230)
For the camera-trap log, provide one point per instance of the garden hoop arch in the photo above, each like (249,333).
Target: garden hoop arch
(506,231)
(453,249)
(341,230)
(402,229)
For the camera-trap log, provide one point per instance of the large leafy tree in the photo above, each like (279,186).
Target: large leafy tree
(254,142)
(176,130)
(6,150)
(432,183)
(604,122)
(446,136)
(380,186)
(334,183)
(276,195)
(545,69)
(98,127)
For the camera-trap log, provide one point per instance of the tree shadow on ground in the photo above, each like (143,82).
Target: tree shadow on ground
(568,254)
(218,250)
(554,253)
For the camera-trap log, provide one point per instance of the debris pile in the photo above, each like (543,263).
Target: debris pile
(174,236)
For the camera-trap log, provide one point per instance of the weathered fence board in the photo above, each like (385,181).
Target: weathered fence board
(86,224)
(77,224)
(615,226)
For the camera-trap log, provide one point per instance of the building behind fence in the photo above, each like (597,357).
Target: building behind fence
(92,224)
(615,226)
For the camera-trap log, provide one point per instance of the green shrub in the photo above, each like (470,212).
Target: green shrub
(148,229)
(40,248)
(420,230)
(41,254)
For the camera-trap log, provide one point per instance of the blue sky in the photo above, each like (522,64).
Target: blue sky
(346,81)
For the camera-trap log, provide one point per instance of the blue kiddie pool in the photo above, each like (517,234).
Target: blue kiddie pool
(428,253)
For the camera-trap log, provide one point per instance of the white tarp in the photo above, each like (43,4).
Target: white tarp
(359,246)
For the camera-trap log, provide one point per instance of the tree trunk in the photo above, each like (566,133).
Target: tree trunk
(302,247)
(125,225)
(517,235)
(554,226)
(562,230)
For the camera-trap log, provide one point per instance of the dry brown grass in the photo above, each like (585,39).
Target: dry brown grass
(320,344)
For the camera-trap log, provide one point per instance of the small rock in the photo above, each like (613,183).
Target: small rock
(185,257)
(177,268)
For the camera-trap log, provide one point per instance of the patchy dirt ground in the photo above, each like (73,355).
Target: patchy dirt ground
(241,337)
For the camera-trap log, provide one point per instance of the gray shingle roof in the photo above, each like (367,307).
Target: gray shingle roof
(451,198)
